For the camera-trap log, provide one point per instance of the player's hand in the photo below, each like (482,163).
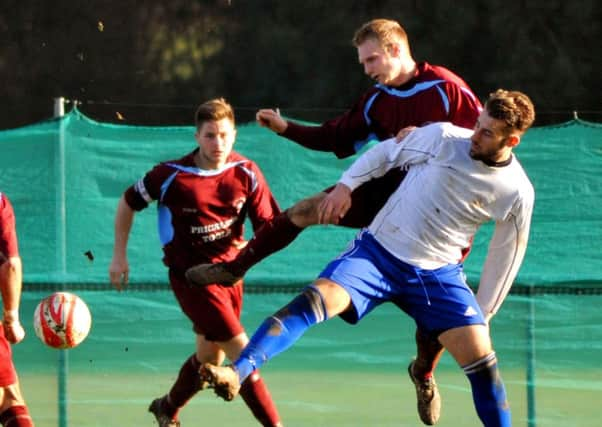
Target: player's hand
(119,271)
(13,330)
(404,132)
(335,205)
(271,119)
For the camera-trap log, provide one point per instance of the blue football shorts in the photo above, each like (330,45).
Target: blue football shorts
(437,300)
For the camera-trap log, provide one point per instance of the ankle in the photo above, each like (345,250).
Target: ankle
(168,408)
(421,371)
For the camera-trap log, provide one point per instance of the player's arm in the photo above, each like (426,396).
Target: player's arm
(119,268)
(11,273)
(343,135)
(372,164)
(135,198)
(464,106)
(504,257)
(11,279)
(416,147)
(261,201)
(271,119)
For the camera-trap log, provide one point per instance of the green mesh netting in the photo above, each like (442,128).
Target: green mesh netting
(65,177)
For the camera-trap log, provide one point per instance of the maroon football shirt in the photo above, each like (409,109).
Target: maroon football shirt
(202,212)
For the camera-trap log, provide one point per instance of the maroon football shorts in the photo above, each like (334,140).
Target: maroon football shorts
(214,310)
(8,375)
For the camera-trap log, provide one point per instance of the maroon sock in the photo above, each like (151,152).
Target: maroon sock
(187,385)
(16,416)
(429,351)
(257,397)
(272,236)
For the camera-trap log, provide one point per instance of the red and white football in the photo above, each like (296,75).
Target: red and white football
(62,320)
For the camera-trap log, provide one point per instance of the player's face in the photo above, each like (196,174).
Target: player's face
(378,62)
(490,141)
(215,140)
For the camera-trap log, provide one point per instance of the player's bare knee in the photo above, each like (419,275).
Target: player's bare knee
(11,396)
(486,364)
(305,212)
(308,303)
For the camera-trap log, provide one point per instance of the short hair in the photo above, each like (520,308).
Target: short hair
(213,111)
(513,107)
(385,31)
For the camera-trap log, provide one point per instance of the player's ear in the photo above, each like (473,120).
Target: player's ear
(513,140)
(394,49)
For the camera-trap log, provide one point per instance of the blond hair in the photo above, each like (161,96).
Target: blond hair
(385,31)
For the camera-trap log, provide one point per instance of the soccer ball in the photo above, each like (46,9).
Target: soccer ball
(62,320)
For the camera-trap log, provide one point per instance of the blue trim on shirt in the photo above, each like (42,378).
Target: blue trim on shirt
(368,106)
(166,231)
(445,99)
(418,87)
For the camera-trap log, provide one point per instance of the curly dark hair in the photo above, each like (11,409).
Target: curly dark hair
(513,107)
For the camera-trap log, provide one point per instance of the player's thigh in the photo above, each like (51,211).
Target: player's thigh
(305,212)
(467,344)
(336,299)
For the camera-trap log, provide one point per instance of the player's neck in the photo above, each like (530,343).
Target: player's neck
(407,72)
(206,163)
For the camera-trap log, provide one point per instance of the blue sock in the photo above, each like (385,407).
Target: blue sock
(488,392)
(280,331)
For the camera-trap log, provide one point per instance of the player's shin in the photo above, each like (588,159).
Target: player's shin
(257,397)
(488,392)
(187,384)
(16,416)
(280,331)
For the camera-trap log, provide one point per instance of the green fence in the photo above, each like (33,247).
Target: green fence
(65,176)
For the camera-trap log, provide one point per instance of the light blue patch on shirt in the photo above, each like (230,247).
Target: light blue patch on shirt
(166,231)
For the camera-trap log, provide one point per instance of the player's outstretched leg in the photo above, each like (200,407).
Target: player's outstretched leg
(271,237)
(421,371)
(276,334)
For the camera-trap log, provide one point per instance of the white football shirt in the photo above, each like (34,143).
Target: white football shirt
(443,200)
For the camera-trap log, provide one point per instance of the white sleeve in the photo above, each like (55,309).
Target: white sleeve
(504,257)
(415,148)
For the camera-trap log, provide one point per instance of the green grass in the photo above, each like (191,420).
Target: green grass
(304,398)
(336,375)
